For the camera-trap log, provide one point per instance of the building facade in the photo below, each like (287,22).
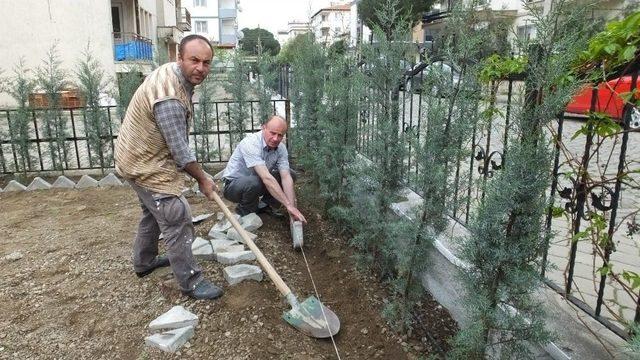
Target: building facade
(216,20)
(332,23)
(120,34)
(294,28)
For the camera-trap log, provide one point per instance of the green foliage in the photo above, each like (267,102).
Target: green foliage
(254,37)
(266,77)
(203,119)
(507,231)
(238,86)
(496,67)
(337,49)
(51,78)
(293,46)
(633,346)
(410,10)
(614,47)
(128,83)
(306,93)
(93,85)
(19,86)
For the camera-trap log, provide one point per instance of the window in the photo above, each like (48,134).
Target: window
(325,32)
(202,3)
(526,32)
(324,18)
(202,27)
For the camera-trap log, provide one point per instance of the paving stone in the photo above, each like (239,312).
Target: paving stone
(223,225)
(217,235)
(251,222)
(200,218)
(170,341)
(109,180)
(220,243)
(233,234)
(86,181)
(14,186)
(228,248)
(63,182)
(204,252)
(38,183)
(230,258)
(220,216)
(199,242)
(176,317)
(296,234)
(238,273)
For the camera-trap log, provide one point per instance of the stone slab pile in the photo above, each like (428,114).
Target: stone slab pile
(175,328)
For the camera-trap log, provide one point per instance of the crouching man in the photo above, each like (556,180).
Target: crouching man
(259,167)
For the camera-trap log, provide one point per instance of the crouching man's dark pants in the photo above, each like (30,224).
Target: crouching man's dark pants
(171,216)
(247,190)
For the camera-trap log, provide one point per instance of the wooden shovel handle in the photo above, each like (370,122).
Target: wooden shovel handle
(273,275)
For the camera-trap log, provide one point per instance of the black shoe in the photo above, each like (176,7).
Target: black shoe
(270,210)
(205,290)
(158,262)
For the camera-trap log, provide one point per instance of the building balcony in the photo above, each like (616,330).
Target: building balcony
(131,47)
(169,34)
(227,13)
(184,19)
(228,40)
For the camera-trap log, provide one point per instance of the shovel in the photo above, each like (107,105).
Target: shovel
(310,316)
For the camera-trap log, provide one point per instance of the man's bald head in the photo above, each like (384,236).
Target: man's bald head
(273,131)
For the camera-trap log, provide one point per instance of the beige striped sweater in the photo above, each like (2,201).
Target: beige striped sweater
(141,154)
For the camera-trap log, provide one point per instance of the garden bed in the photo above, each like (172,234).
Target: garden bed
(73,293)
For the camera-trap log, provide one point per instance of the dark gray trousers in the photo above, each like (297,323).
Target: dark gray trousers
(247,190)
(171,216)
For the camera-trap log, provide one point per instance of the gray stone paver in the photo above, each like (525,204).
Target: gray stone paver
(38,183)
(231,258)
(176,317)
(170,341)
(14,186)
(233,234)
(109,180)
(63,182)
(86,181)
(238,273)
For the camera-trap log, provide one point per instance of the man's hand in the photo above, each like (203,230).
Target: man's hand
(296,214)
(207,187)
(205,181)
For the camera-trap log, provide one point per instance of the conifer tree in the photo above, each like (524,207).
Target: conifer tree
(507,234)
(93,85)
(238,85)
(307,83)
(264,80)
(19,86)
(51,78)
(203,113)
(127,84)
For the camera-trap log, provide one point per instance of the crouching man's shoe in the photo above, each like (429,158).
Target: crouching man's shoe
(205,290)
(158,262)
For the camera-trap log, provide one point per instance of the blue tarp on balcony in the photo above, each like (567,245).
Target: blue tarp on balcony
(133,50)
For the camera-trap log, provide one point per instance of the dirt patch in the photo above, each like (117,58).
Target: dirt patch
(73,293)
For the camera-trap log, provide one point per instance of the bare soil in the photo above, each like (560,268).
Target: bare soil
(73,293)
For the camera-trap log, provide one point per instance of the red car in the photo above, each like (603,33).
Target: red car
(609,100)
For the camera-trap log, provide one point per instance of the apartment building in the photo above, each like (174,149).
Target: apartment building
(332,23)
(216,20)
(513,12)
(294,28)
(120,33)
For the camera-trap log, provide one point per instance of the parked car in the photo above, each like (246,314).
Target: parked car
(608,101)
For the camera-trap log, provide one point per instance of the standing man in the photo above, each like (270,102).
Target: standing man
(153,153)
(259,166)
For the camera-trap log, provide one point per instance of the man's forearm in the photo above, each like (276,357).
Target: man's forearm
(195,170)
(274,189)
(287,186)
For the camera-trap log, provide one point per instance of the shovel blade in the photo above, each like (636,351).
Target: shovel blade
(309,318)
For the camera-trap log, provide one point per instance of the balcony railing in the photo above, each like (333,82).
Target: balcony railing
(131,47)
(184,20)
(227,13)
